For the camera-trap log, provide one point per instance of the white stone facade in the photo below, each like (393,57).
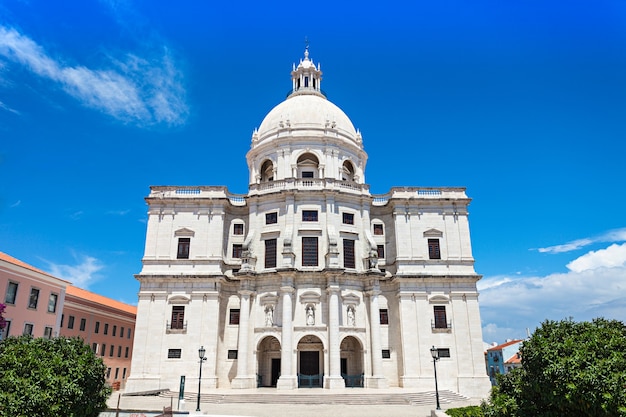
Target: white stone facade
(308,274)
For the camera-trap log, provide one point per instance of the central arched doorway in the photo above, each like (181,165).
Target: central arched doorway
(268,356)
(310,362)
(352,362)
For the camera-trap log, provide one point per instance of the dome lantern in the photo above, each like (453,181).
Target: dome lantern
(306,77)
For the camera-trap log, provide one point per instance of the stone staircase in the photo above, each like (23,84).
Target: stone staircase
(321,396)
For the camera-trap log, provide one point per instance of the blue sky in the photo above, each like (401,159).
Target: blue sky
(522,102)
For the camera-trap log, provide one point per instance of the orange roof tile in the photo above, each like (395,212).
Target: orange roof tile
(514,359)
(17,262)
(100,299)
(512,342)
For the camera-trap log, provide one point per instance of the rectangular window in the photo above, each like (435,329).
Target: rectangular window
(174,353)
(52,303)
(378,229)
(384,316)
(111,349)
(126,352)
(433,249)
(119,351)
(122,331)
(348,218)
(183,248)
(386,354)
(238,229)
(62,318)
(309,251)
(83,324)
(108,373)
(94,347)
(97,328)
(34,298)
(178,317)
(104,349)
(271,218)
(124,373)
(6,331)
(11,293)
(70,322)
(270,253)
(117,372)
(234,316)
(232,354)
(309,215)
(441,321)
(114,330)
(380,249)
(47,332)
(237,250)
(348,253)
(128,333)
(28,329)
(106,328)
(308,174)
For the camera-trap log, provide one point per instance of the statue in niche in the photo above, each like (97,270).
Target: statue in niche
(351,318)
(269,316)
(373,259)
(310,316)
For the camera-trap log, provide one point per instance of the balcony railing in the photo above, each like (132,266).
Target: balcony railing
(441,326)
(175,327)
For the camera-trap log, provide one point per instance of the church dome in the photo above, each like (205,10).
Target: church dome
(306,112)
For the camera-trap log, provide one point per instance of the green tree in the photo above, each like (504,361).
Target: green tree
(568,369)
(51,378)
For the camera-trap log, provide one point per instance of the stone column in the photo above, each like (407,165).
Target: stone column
(243,379)
(377,380)
(287,379)
(334,380)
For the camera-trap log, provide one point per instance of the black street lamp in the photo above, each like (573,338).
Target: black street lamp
(434,352)
(201,353)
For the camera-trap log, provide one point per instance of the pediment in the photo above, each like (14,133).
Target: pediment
(310,297)
(351,299)
(184,232)
(433,233)
(438,298)
(178,299)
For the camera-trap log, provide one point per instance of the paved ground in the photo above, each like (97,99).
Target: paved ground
(156,403)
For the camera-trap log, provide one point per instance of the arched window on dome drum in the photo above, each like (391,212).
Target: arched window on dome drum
(267,171)
(307,166)
(347,171)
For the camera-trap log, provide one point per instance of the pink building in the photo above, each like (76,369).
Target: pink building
(34,299)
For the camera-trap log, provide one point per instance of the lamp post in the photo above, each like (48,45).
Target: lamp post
(201,353)
(434,352)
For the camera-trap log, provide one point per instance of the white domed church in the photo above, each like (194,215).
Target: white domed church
(308,280)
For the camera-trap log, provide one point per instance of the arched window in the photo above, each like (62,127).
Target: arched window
(347,171)
(267,171)
(307,166)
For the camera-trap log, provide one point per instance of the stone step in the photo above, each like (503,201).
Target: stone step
(319,396)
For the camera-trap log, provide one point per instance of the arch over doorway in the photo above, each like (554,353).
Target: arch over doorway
(268,357)
(310,362)
(352,359)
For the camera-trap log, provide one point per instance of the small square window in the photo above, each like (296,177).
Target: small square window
(234,316)
(183,248)
(384,316)
(309,215)
(307,174)
(443,353)
(271,218)
(174,353)
(238,229)
(386,354)
(237,250)
(348,218)
(232,354)
(378,229)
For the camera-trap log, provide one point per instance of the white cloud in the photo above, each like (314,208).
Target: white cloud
(118,212)
(594,286)
(82,274)
(9,109)
(138,90)
(617,235)
(614,255)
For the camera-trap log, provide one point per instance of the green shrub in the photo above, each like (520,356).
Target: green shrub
(471,411)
